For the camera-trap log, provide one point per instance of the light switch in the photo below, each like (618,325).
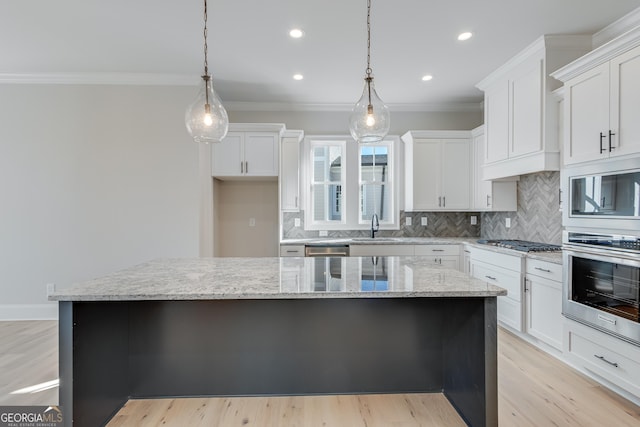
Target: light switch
(423,221)
(507,222)
(296,222)
(252,222)
(474,220)
(407,221)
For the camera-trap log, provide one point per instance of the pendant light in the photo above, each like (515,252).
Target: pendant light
(369,120)
(206,118)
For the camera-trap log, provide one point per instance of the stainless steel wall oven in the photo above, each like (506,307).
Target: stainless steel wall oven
(602,282)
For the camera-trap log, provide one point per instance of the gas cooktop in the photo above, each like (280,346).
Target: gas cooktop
(522,245)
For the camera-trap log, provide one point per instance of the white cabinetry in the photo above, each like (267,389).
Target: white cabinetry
(490,195)
(602,100)
(446,255)
(505,271)
(290,170)
(291,250)
(543,291)
(520,113)
(437,170)
(381,250)
(610,359)
(248,150)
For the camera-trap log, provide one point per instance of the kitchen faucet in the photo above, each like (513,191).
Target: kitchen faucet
(375,225)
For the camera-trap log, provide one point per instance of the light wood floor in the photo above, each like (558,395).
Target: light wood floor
(534,389)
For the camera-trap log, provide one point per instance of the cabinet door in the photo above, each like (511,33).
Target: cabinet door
(227,156)
(456,174)
(497,122)
(625,103)
(261,154)
(427,174)
(481,188)
(544,310)
(526,111)
(586,108)
(289,174)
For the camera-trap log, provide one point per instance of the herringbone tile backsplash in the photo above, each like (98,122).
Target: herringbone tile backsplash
(538,217)
(439,224)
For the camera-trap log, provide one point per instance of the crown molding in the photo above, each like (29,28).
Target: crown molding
(600,55)
(138,79)
(148,79)
(617,28)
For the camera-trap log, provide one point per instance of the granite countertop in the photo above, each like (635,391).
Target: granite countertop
(380,241)
(279,278)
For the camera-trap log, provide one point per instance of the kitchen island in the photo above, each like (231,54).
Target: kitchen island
(277,326)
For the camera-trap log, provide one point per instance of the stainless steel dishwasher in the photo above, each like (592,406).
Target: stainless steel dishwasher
(329,250)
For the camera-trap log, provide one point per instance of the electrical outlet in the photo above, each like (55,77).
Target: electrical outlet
(296,222)
(51,288)
(507,222)
(474,220)
(252,222)
(423,221)
(407,221)
(323,233)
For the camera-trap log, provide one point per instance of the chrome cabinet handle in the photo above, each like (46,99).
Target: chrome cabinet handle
(602,136)
(614,364)
(241,167)
(246,167)
(439,202)
(437,250)
(444,202)
(488,200)
(543,269)
(491,278)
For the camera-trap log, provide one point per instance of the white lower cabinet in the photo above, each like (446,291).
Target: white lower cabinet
(543,294)
(446,255)
(610,359)
(381,250)
(291,250)
(505,271)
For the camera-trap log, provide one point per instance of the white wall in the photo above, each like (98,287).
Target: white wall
(92,179)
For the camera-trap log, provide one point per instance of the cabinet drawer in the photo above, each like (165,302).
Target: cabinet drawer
(500,277)
(380,250)
(511,262)
(545,269)
(291,250)
(437,250)
(612,359)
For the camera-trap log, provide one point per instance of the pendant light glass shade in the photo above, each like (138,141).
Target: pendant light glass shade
(370,119)
(206,118)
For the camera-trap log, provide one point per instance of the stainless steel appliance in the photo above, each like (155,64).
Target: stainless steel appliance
(604,196)
(601,283)
(330,250)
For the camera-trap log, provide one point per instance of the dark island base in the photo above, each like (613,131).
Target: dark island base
(113,351)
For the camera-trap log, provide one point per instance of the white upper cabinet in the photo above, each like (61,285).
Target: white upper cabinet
(489,195)
(290,170)
(248,150)
(520,113)
(437,170)
(602,101)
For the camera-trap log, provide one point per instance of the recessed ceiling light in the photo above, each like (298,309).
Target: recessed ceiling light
(298,77)
(296,33)
(465,36)
(427,77)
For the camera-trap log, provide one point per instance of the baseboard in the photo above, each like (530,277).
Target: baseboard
(29,311)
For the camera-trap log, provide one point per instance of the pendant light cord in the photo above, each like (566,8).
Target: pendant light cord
(369,70)
(206,77)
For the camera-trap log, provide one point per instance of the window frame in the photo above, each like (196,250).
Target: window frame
(351,215)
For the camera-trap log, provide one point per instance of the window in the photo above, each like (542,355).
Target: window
(327,197)
(376,189)
(348,182)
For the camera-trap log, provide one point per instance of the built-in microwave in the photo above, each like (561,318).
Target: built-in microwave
(604,196)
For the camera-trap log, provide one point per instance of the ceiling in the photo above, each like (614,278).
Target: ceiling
(253,59)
